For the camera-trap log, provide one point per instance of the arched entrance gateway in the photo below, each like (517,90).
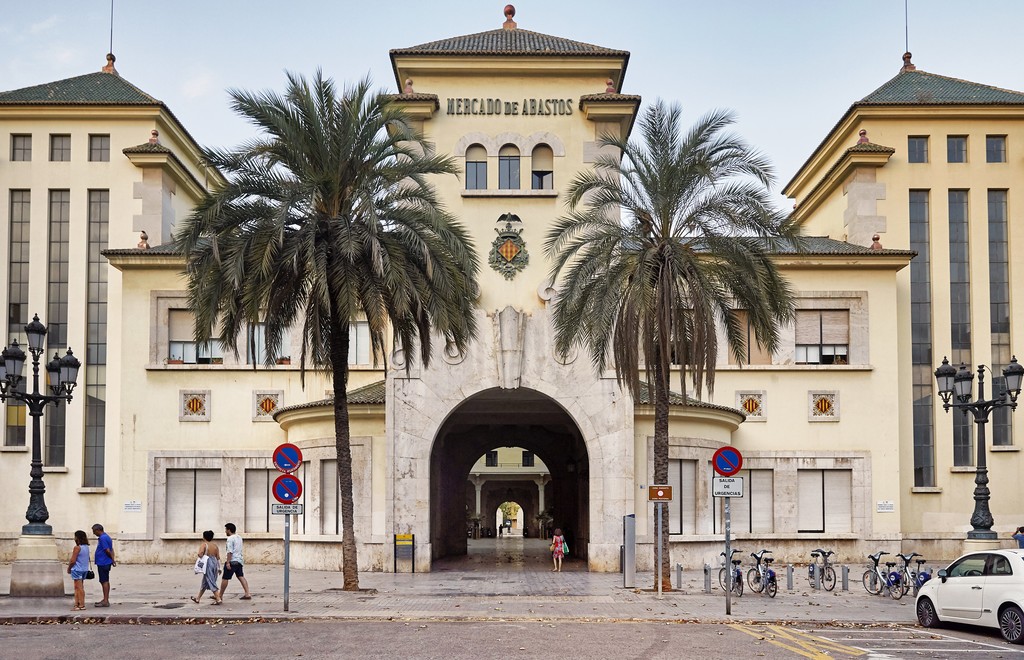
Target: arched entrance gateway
(545,470)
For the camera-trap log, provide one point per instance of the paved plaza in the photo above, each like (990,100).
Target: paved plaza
(506,579)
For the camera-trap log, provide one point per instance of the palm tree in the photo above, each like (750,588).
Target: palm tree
(659,246)
(327,217)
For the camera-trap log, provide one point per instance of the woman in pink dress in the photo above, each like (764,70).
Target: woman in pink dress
(558,549)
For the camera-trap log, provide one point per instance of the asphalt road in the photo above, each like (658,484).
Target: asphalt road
(473,641)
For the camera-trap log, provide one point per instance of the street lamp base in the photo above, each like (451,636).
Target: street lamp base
(981,545)
(37,572)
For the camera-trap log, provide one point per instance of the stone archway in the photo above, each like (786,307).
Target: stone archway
(494,419)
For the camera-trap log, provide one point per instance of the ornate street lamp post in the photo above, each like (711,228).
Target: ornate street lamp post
(957,384)
(32,573)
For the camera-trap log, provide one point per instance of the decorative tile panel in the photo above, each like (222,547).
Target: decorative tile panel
(265,403)
(753,403)
(194,406)
(823,406)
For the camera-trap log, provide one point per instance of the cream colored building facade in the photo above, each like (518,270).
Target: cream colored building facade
(824,424)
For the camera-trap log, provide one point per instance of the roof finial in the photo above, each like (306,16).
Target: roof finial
(875,243)
(143,241)
(609,86)
(154,136)
(907,64)
(408,86)
(509,24)
(109,67)
(863,139)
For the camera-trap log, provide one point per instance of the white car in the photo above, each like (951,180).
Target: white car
(980,588)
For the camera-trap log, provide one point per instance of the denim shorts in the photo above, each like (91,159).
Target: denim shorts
(77,574)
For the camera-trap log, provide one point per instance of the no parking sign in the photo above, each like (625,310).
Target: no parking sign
(287,488)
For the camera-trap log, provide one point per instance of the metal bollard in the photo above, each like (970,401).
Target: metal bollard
(789,577)
(846,577)
(817,575)
(707,579)
(679,576)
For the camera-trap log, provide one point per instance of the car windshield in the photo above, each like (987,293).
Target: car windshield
(968,566)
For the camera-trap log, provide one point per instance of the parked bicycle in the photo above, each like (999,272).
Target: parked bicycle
(761,578)
(909,577)
(735,572)
(877,581)
(825,571)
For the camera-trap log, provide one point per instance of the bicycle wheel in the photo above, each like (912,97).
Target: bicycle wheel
(721,579)
(895,589)
(754,580)
(906,581)
(872,584)
(772,588)
(828,579)
(737,585)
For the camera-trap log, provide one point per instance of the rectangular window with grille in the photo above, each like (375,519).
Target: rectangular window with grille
(21,148)
(57,313)
(682,510)
(96,346)
(99,148)
(60,148)
(960,314)
(956,149)
(527,458)
(999,308)
(491,459)
(995,148)
(921,340)
(917,149)
(17,303)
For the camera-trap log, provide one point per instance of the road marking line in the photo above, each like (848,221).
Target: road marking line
(801,643)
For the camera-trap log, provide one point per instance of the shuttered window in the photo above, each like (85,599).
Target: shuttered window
(359,343)
(330,512)
(754,512)
(181,336)
(682,510)
(822,336)
(825,501)
(258,499)
(193,500)
(754,353)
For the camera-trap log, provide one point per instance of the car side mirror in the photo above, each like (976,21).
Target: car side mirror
(943,574)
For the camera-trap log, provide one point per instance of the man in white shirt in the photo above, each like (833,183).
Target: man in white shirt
(233,564)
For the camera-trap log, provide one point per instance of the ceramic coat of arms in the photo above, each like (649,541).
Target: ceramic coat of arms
(508,251)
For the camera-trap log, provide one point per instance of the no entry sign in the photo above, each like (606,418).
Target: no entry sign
(287,457)
(287,488)
(727,461)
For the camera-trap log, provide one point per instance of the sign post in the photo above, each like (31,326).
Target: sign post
(287,489)
(659,495)
(727,461)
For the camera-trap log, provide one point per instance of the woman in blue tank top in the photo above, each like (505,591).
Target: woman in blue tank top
(78,566)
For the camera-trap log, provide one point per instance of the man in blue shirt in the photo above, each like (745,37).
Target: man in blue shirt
(104,560)
(1018,536)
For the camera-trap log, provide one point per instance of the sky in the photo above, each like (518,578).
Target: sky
(788,69)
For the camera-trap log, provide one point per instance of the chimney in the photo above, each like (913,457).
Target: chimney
(509,24)
(109,67)
(907,64)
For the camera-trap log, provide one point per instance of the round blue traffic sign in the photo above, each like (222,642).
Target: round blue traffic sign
(727,461)
(287,457)
(287,488)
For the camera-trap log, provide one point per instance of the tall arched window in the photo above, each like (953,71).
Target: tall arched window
(476,168)
(508,168)
(543,163)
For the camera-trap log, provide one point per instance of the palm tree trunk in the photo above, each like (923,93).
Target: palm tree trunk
(339,361)
(661,470)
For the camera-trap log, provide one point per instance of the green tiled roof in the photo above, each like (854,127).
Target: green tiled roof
(91,89)
(508,42)
(147,148)
(923,88)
